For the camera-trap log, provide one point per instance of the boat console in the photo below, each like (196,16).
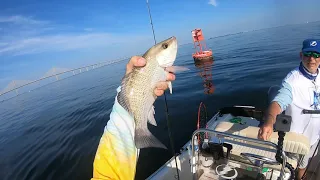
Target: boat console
(233,151)
(227,147)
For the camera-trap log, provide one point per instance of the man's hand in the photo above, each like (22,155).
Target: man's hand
(138,61)
(267,128)
(265,131)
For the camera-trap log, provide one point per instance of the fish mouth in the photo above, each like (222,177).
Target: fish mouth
(173,40)
(169,53)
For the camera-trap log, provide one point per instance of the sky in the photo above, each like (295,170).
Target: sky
(38,35)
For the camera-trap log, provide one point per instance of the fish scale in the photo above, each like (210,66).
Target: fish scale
(139,94)
(140,84)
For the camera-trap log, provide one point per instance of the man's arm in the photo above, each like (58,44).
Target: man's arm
(280,102)
(117,155)
(277,106)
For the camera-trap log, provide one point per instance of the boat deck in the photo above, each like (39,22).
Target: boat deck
(244,168)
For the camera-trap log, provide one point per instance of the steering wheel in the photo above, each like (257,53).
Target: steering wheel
(261,159)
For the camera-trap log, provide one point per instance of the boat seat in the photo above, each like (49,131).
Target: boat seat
(295,145)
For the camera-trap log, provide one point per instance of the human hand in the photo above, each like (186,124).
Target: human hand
(265,131)
(138,61)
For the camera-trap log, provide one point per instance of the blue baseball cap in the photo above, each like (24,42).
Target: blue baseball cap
(311,45)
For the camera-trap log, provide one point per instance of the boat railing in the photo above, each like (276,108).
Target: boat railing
(257,141)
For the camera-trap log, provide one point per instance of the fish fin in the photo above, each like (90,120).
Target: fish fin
(177,69)
(170,86)
(151,118)
(122,99)
(144,139)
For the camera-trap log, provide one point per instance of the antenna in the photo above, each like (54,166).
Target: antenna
(165,100)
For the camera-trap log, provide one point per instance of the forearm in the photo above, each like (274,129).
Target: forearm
(279,103)
(272,112)
(116,156)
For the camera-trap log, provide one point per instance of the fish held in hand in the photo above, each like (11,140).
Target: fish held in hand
(137,90)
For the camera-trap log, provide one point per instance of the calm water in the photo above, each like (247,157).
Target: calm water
(53,132)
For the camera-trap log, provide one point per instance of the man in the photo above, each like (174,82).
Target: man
(116,156)
(300,90)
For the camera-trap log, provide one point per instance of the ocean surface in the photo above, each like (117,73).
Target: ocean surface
(53,132)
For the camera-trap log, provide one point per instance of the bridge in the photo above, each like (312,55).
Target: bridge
(53,75)
(14,88)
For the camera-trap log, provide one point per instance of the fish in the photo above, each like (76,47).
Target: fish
(137,89)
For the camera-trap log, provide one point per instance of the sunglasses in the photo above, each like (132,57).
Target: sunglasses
(313,54)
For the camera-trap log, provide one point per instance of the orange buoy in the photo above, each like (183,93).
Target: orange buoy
(202,53)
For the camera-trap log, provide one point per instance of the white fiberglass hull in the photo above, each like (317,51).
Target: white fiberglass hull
(169,171)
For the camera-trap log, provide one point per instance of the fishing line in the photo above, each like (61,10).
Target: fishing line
(154,36)
(166,105)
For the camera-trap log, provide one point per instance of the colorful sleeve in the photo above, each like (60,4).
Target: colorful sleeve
(116,156)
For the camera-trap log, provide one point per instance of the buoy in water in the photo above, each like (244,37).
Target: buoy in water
(202,53)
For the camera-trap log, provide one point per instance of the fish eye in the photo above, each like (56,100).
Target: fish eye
(164,45)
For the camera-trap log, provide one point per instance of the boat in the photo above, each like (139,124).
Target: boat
(227,147)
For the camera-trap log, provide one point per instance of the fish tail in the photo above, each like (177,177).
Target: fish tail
(144,139)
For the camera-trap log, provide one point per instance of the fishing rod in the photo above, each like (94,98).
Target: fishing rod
(166,105)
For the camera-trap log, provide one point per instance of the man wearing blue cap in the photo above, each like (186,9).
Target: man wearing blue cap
(300,90)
